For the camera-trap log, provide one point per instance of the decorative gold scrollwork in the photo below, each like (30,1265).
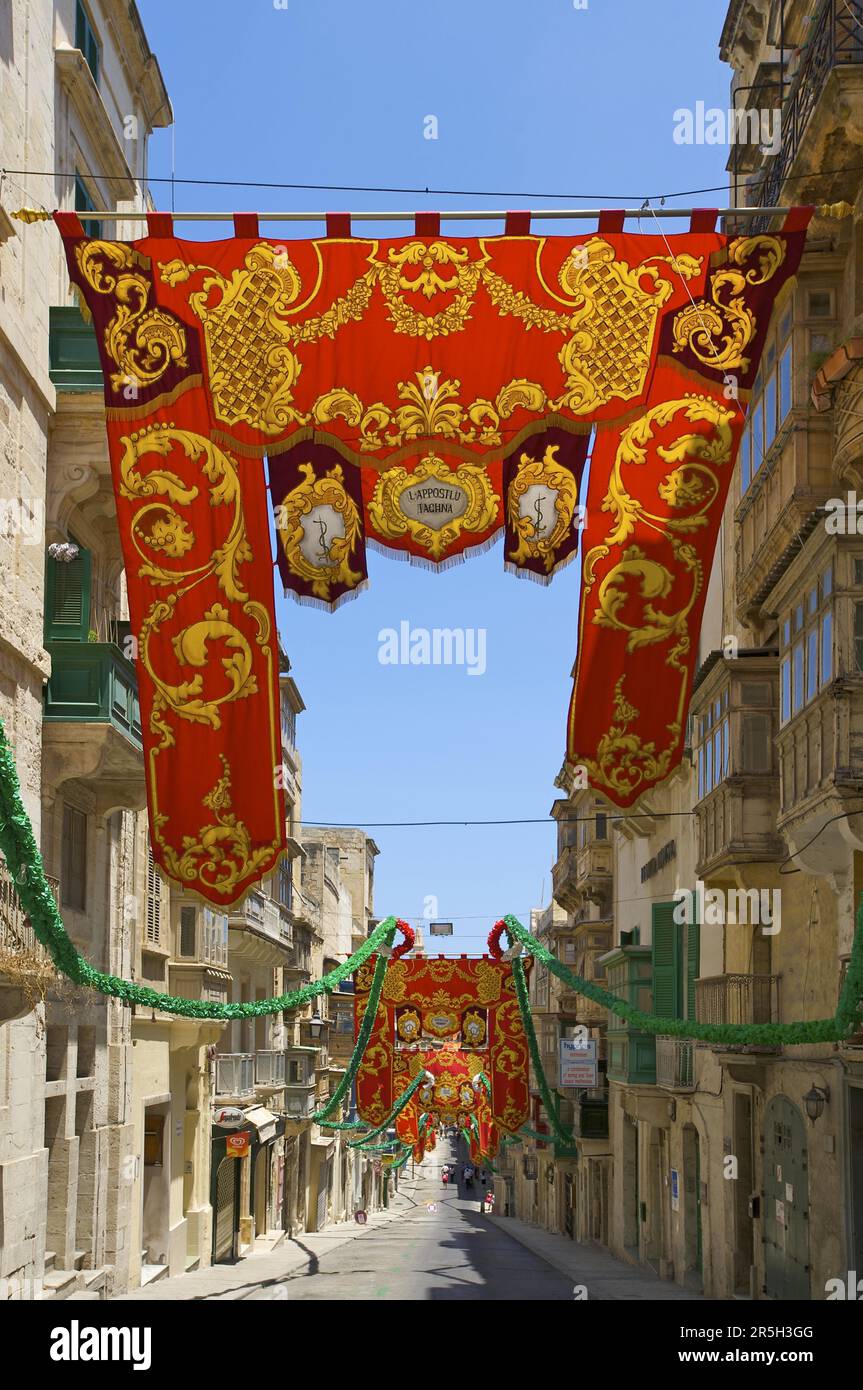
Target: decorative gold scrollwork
(720,332)
(471,489)
(307,502)
(689,487)
(144,342)
(429,281)
(222,855)
(247,341)
(623,760)
(548,475)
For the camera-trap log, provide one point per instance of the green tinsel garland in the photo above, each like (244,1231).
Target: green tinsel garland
(356,1057)
(25,863)
(19,848)
(396,1110)
(394,1167)
(560,1133)
(847,1019)
(526,1133)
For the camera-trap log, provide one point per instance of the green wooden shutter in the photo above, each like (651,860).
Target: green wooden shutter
(665,937)
(67,599)
(693,961)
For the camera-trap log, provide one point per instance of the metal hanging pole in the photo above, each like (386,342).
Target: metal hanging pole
(450,215)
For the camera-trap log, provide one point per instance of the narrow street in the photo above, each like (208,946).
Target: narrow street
(432,1242)
(450,1252)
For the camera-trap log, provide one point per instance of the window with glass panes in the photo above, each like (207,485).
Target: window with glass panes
(73,871)
(771,400)
(806,647)
(285,883)
(713,746)
(592,827)
(188,930)
(84,203)
(858,616)
(86,41)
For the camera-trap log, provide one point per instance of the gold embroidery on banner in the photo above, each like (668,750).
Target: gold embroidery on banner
(251,332)
(473,1028)
(623,760)
(432,408)
(699,327)
(389,520)
(612,330)
(248,344)
(610,326)
(442,1022)
(302,502)
(143,342)
(429,282)
(408,1025)
(395,981)
(546,472)
(222,855)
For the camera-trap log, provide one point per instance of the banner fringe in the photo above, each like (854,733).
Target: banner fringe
(309,601)
(438,566)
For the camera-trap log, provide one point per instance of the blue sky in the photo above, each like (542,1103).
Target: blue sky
(531,96)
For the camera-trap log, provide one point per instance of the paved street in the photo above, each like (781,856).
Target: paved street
(412,1252)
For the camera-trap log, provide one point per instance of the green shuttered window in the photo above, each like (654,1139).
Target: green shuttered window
(67,598)
(676,959)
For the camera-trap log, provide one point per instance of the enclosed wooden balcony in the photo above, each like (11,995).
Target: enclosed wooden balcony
(582,871)
(738,999)
(255,931)
(734,712)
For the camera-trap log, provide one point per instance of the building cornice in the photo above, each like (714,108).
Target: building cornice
(76,77)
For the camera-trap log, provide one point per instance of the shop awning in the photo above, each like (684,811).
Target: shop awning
(268,1125)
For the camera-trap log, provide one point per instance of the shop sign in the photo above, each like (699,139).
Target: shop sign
(238,1145)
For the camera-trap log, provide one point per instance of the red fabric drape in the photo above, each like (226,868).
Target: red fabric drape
(424,394)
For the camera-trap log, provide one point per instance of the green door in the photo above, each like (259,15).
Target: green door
(786,1201)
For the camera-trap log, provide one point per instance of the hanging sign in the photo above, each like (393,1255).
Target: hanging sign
(578,1065)
(238,1145)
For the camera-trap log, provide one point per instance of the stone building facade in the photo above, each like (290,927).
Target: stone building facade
(738,1171)
(81,92)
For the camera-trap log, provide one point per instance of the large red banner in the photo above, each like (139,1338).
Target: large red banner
(424,394)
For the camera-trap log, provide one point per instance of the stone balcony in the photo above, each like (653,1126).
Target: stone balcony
(255,931)
(829,80)
(582,872)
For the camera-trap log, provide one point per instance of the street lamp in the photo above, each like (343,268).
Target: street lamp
(815,1100)
(316,1025)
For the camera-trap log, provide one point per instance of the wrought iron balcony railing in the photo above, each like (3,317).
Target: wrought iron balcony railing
(18,940)
(836,39)
(674,1063)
